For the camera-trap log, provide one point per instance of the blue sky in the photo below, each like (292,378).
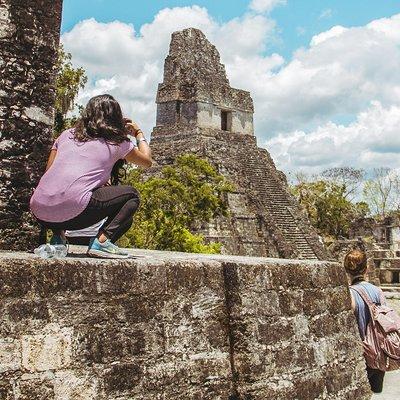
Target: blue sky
(298,21)
(324,75)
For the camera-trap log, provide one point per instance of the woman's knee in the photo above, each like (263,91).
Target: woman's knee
(133,203)
(131,192)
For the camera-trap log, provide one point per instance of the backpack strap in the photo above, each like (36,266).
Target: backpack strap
(364,296)
(382,297)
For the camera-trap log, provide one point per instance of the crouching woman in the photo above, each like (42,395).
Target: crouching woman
(72,194)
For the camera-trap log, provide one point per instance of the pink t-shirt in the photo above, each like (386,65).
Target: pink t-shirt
(65,189)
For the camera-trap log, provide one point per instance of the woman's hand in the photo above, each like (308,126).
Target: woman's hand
(140,155)
(132,127)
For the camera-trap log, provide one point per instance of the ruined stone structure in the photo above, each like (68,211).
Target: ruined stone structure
(177,326)
(198,112)
(29,37)
(384,238)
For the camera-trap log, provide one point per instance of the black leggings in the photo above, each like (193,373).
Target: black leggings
(116,203)
(375,377)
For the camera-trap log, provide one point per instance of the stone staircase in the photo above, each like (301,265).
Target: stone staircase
(278,204)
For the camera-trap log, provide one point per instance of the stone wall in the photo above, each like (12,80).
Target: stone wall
(176,326)
(29,37)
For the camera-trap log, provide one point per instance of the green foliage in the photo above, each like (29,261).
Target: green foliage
(182,198)
(327,206)
(68,83)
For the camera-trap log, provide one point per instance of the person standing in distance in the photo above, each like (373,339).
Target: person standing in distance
(355,264)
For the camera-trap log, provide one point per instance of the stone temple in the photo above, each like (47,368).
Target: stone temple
(199,112)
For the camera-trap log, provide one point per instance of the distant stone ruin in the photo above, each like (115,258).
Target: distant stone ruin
(29,39)
(199,112)
(383,240)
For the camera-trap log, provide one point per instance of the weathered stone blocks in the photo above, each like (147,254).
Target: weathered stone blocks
(50,350)
(176,326)
(29,38)
(10,355)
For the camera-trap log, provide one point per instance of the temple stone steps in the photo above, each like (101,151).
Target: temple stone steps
(277,203)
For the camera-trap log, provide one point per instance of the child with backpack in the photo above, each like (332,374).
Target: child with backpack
(378,324)
(74,192)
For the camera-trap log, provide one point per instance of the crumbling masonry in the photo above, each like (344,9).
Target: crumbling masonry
(29,38)
(199,112)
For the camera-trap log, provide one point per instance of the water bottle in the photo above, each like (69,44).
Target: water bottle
(51,251)
(61,250)
(45,251)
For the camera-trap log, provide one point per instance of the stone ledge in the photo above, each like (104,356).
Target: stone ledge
(169,325)
(77,254)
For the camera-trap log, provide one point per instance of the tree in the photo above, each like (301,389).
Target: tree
(348,177)
(382,191)
(328,209)
(175,204)
(68,83)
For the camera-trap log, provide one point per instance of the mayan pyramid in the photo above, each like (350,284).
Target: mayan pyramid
(199,112)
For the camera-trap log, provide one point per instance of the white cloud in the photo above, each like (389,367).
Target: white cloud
(263,6)
(389,27)
(327,13)
(334,32)
(372,140)
(341,73)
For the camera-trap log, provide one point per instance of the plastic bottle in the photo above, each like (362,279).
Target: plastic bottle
(45,251)
(60,251)
(51,251)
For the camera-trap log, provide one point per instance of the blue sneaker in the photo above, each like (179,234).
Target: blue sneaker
(105,250)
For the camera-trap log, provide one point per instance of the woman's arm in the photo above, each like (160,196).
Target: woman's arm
(51,158)
(353,302)
(140,155)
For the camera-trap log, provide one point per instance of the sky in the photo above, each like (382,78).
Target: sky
(324,74)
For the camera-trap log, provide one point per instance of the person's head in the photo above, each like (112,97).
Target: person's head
(102,118)
(355,263)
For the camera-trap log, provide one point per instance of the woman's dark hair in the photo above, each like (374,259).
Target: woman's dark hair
(101,118)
